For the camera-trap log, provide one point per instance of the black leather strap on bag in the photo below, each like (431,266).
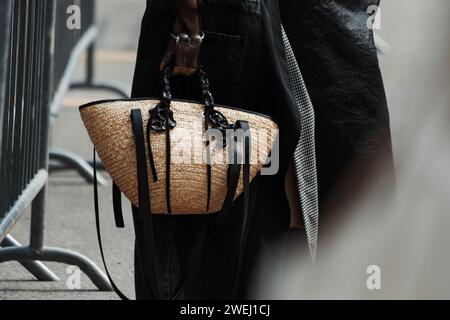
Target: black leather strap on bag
(117,204)
(99,236)
(247,210)
(145,215)
(242,141)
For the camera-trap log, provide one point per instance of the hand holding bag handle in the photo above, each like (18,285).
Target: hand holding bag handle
(162,119)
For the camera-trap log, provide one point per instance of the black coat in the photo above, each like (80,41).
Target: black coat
(338,59)
(243,54)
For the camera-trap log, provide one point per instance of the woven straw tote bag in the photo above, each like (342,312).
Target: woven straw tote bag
(109,125)
(178,157)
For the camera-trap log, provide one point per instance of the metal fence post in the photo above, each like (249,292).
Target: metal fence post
(38,204)
(5,6)
(63,159)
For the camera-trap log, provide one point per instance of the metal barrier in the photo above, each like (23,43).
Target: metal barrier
(30,72)
(70,45)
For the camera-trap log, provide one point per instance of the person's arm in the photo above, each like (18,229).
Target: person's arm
(185,54)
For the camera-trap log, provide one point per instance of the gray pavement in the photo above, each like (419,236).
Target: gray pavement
(416,83)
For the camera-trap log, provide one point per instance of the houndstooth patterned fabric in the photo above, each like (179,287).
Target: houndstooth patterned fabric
(305,153)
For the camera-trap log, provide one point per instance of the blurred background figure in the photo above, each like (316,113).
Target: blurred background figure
(398,247)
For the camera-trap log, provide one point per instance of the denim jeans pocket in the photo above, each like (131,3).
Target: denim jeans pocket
(222,57)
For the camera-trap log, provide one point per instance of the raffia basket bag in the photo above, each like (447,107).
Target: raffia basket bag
(187,172)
